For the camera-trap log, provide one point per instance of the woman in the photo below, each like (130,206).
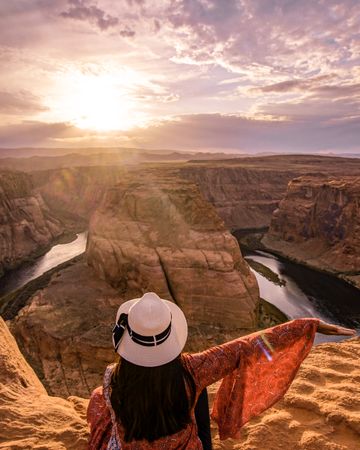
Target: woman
(148,399)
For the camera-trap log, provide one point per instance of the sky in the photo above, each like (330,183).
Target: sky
(231,75)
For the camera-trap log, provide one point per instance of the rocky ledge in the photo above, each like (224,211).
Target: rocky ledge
(29,417)
(319,412)
(318,224)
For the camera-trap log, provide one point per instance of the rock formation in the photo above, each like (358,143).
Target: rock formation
(73,193)
(29,417)
(244,198)
(26,225)
(318,223)
(246,191)
(157,234)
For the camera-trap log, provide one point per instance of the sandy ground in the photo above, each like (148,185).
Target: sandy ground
(320,411)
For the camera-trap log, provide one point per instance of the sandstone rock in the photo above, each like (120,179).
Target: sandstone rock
(74,192)
(26,224)
(318,223)
(29,417)
(246,191)
(243,197)
(161,235)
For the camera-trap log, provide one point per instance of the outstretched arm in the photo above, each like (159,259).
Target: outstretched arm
(257,369)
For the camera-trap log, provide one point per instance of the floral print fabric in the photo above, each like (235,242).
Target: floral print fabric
(256,370)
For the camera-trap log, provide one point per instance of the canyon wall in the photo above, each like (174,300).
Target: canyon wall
(29,417)
(73,193)
(244,198)
(318,223)
(159,234)
(246,191)
(27,226)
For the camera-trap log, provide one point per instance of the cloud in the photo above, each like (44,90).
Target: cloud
(219,131)
(267,34)
(21,102)
(293,85)
(80,10)
(31,133)
(200,132)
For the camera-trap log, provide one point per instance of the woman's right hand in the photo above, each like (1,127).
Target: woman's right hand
(329,328)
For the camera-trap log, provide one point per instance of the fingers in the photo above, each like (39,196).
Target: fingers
(346,331)
(327,328)
(342,331)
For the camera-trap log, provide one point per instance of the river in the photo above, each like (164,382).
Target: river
(55,256)
(308,293)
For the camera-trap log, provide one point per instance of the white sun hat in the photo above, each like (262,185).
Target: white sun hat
(149,331)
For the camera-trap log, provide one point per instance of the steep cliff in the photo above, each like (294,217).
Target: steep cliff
(246,191)
(243,197)
(153,234)
(29,417)
(159,234)
(26,224)
(318,223)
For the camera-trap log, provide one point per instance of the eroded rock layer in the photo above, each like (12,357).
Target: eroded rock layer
(244,198)
(161,235)
(318,223)
(26,224)
(29,417)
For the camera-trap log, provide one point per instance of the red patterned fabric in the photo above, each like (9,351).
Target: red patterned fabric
(256,369)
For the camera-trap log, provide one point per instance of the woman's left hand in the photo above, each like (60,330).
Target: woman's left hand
(328,328)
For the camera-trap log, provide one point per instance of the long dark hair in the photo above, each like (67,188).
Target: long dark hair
(152,402)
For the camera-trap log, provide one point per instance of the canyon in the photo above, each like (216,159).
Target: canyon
(152,234)
(318,224)
(27,226)
(165,227)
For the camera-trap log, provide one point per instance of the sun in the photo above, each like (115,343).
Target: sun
(102,102)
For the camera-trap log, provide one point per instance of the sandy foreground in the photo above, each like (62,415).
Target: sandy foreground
(320,411)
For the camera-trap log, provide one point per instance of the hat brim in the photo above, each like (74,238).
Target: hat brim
(159,354)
